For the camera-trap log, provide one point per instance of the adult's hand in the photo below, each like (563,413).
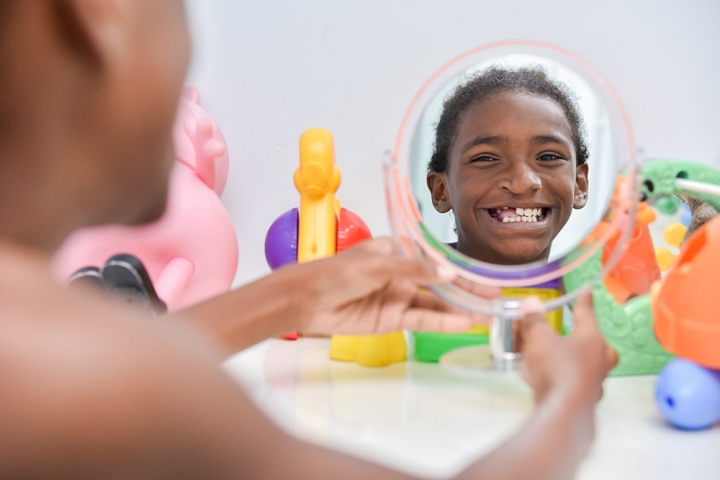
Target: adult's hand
(372,289)
(368,289)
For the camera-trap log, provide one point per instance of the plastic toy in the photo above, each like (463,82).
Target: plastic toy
(430,346)
(674,234)
(190,253)
(638,269)
(621,300)
(688,395)
(696,213)
(688,389)
(685,322)
(321,228)
(668,205)
(124,280)
(686,215)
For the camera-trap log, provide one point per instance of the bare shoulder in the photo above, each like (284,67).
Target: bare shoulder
(89,389)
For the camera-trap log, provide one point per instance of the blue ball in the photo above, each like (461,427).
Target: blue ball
(688,395)
(685,215)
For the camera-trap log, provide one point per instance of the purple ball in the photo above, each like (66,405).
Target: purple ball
(688,395)
(281,241)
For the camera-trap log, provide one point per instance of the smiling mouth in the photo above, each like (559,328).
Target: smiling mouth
(519,215)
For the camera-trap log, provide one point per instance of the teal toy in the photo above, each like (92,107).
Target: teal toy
(668,205)
(666,177)
(628,328)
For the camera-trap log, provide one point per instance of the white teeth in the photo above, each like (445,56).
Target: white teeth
(525,215)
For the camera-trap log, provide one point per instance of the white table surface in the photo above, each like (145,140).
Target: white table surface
(420,419)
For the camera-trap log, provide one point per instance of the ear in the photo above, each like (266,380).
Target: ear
(437,183)
(95,29)
(581,186)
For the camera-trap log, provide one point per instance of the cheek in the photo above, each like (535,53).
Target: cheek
(562,186)
(468,190)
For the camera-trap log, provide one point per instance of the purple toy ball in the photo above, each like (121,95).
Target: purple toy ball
(688,395)
(281,241)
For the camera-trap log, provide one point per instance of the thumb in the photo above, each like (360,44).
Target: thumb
(533,315)
(584,313)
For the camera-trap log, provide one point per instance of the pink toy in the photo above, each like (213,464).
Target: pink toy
(190,253)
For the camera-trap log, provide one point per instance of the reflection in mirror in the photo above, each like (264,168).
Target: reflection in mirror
(514,122)
(513,159)
(522,155)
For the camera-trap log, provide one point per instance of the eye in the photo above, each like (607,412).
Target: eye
(482,158)
(549,157)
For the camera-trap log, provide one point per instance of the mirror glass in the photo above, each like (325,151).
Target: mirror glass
(515,141)
(596,133)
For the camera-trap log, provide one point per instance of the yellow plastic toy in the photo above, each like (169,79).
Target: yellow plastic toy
(554,318)
(317,179)
(674,234)
(320,228)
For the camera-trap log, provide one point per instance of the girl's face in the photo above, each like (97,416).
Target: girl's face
(511,178)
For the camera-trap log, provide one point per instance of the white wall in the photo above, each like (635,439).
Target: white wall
(269,69)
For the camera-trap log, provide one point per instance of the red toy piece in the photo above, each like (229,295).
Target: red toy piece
(351,230)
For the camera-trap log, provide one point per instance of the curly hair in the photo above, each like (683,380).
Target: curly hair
(498,79)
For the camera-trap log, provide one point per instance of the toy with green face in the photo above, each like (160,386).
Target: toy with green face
(512,177)
(661,175)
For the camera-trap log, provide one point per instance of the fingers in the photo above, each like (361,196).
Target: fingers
(422,273)
(389,265)
(585,320)
(533,313)
(380,245)
(612,357)
(485,291)
(427,300)
(584,313)
(424,320)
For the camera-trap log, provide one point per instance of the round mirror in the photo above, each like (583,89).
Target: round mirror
(513,166)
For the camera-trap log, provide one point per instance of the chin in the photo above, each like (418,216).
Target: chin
(519,255)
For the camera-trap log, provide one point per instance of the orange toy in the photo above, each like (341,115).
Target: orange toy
(638,269)
(687,322)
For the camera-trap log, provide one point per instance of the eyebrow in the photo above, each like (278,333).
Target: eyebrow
(541,139)
(496,139)
(492,140)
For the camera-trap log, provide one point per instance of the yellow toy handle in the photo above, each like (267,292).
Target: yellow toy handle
(317,179)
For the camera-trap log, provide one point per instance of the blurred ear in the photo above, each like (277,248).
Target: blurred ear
(97,30)
(581,186)
(437,183)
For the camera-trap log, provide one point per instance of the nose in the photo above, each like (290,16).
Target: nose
(521,179)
